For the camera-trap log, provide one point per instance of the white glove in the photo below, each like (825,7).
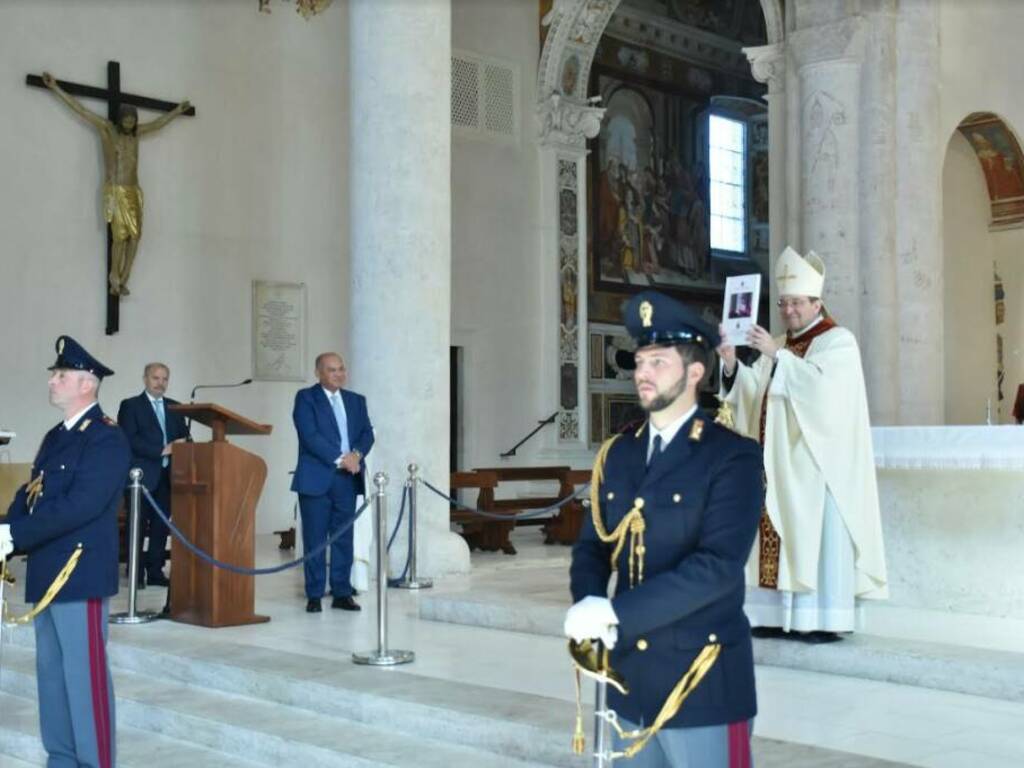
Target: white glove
(6,542)
(592,617)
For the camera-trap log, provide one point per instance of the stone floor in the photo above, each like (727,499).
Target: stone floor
(805,719)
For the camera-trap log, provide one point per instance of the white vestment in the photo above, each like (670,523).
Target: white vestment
(819,462)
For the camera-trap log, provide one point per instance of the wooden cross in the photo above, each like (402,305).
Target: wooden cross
(114,97)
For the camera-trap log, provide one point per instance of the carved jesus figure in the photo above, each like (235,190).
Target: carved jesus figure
(122,195)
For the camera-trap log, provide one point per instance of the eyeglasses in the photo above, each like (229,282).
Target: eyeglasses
(793,303)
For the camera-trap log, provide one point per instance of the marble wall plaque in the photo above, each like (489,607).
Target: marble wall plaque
(279,331)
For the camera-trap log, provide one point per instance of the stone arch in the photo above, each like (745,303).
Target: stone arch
(982,283)
(566,119)
(576,26)
(999,154)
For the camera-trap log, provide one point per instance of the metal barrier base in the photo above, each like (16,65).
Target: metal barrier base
(415,584)
(383,659)
(140,617)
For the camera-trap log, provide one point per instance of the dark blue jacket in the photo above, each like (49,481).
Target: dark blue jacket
(702,504)
(138,421)
(320,441)
(84,472)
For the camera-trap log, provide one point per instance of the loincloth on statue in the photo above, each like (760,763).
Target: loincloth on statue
(122,209)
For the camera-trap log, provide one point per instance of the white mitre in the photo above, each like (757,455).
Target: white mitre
(797,275)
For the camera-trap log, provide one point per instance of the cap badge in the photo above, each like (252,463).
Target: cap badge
(60,346)
(646,312)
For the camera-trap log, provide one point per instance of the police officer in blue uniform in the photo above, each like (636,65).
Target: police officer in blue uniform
(675,506)
(66,518)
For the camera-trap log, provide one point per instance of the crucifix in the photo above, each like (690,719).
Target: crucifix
(122,196)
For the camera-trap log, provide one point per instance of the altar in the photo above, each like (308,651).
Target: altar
(951,500)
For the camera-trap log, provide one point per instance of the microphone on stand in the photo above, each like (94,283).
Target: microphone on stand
(197,387)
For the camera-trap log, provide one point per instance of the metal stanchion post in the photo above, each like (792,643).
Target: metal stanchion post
(412,581)
(382,657)
(134,536)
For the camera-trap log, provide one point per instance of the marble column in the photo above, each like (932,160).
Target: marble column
(919,264)
(829,60)
(879,302)
(768,65)
(400,213)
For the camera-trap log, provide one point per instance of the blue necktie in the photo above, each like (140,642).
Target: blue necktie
(342,419)
(655,450)
(158,406)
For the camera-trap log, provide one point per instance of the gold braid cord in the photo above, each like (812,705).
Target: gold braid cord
(579,740)
(687,683)
(55,587)
(632,523)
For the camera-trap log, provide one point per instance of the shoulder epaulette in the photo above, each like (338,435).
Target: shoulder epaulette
(697,431)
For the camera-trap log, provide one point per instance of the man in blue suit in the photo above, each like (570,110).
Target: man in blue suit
(152,429)
(66,516)
(675,507)
(335,435)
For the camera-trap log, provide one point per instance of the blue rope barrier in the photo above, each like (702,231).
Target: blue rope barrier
(401,514)
(251,571)
(520,516)
(394,533)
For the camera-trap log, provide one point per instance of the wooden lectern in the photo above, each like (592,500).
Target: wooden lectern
(214,490)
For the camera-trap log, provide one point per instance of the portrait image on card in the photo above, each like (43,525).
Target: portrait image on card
(739,310)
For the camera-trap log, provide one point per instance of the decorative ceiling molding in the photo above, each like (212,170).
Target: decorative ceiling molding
(655,31)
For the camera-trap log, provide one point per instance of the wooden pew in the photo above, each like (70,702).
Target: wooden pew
(479,532)
(564,528)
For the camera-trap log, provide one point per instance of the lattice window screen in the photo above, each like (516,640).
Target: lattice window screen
(499,96)
(465,93)
(485,93)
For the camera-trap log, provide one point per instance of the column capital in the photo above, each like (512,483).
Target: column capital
(567,123)
(768,64)
(829,42)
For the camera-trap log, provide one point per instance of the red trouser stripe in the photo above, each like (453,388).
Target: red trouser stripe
(739,745)
(98,677)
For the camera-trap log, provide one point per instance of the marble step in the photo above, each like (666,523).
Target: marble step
(20,745)
(267,730)
(958,668)
(167,712)
(516,725)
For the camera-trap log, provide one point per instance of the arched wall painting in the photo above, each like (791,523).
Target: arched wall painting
(1002,162)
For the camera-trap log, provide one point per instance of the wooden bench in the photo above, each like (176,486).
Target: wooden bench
(564,528)
(480,532)
(560,527)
